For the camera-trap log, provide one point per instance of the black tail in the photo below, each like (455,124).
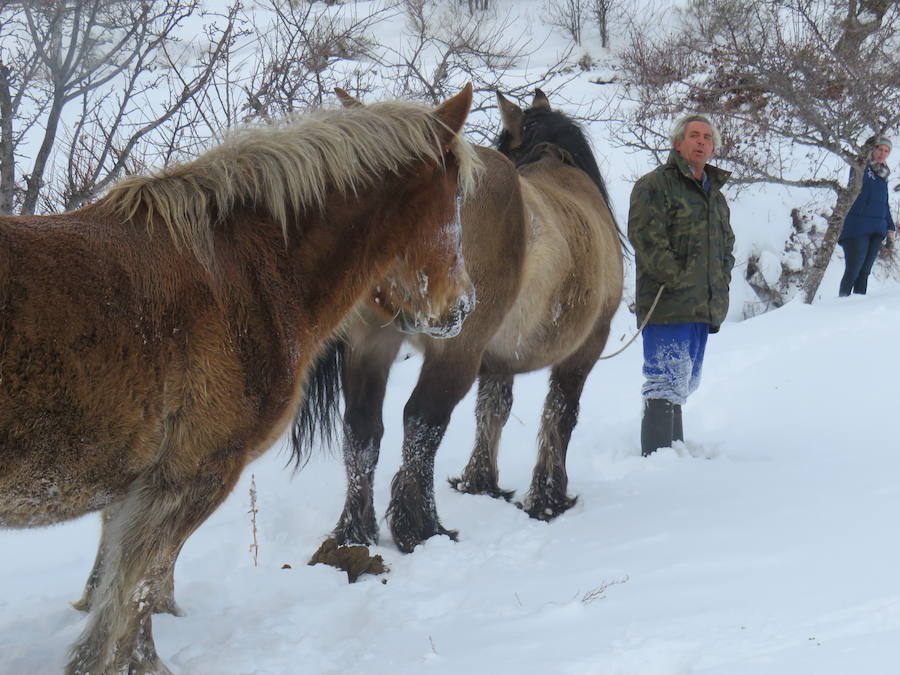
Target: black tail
(316,420)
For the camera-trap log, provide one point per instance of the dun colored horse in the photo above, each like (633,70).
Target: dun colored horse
(157,340)
(545,255)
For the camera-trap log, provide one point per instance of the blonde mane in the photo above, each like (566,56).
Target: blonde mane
(287,168)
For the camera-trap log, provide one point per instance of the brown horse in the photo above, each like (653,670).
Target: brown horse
(155,341)
(545,255)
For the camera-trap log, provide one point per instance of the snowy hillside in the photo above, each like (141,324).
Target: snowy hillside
(765,545)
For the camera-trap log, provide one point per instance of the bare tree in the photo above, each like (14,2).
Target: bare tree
(475,5)
(94,68)
(602,11)
(792,82)
(568,15)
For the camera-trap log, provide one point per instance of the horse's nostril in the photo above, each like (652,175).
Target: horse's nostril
(463,308)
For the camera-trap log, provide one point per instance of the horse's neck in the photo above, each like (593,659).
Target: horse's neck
(338,257)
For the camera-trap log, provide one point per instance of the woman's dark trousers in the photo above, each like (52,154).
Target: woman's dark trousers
(859,256)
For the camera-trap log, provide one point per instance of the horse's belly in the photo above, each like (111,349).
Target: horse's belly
(48,477)
(43,501)
(525,343)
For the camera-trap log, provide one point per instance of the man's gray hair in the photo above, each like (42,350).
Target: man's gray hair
(677,133)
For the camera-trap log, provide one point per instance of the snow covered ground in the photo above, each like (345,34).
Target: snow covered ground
(765,545)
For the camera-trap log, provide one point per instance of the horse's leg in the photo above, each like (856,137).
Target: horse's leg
(165,604)
(364,382)
(444,380)
(146,532)
(87,596)
(495,397)
(547,496)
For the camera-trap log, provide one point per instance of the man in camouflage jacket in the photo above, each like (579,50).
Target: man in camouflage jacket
(678,224)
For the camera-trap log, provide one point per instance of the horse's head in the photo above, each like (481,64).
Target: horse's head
(427,289)
(540,132)
(523,129)
(536,132)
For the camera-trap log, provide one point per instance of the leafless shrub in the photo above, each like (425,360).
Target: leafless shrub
(442,51)
(304,53)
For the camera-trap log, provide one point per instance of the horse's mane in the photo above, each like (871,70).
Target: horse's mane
(286,168)
(544,127)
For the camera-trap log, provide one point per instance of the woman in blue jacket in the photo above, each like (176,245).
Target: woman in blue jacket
(868,221)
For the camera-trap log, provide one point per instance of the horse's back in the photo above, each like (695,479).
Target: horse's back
(573,269)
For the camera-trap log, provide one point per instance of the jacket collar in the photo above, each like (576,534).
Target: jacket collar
(717,177)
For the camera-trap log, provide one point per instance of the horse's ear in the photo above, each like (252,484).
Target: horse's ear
(453,111)
(540,100)
(511,115)
(346,99)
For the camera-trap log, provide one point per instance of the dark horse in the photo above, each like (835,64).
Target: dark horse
(545,255)
(155,341)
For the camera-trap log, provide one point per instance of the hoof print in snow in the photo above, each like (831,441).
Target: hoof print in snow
(354,560)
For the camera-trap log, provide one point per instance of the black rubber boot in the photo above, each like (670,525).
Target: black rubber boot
(677,428)
(657,425)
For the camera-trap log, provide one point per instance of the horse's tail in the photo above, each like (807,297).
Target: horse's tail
(316,420)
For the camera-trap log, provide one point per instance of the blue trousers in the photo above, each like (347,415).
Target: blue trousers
(859,256)
(673,359)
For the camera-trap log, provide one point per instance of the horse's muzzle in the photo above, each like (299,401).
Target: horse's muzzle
(448,326)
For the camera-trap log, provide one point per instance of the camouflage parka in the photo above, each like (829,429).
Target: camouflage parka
(682,238)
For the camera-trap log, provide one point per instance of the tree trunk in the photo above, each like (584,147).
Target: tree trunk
(7,149)
(36,179)
(845,200)
(602,14)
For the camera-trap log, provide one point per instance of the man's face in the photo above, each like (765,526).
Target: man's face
(697,146)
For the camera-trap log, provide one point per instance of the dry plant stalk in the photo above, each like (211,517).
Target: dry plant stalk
(254,547)
(597,593)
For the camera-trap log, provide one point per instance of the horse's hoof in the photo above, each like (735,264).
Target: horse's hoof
(548,510)
(352,536)
(453,534)
(350,540)
(407,542)
(468,487)
(140,664)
